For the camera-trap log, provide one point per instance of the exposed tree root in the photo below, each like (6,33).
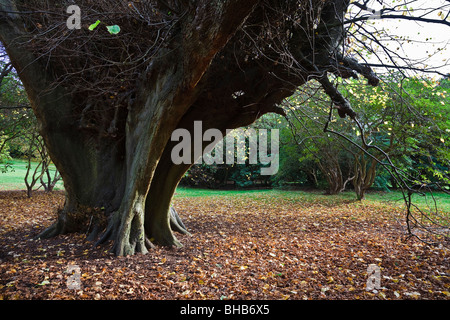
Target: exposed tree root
(138,241)
(176,223)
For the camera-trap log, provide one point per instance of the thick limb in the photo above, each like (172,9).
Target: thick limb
(161,219)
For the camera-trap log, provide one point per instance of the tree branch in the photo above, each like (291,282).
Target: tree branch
(397,16)
(343,105)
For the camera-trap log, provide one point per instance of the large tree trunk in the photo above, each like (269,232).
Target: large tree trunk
(365,173)
(112,144)
(130,181)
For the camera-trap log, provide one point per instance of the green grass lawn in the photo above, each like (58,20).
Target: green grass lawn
(394,198)
(13,178)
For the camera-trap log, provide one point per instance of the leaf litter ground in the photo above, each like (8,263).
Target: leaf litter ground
(257,246)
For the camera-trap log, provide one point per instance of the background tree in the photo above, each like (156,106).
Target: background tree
(403,118)
(15,112)
(19,135)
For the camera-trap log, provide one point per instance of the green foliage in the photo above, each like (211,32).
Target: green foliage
(234,175)
(19,138)
(407,118)
(16,118)
(201,175)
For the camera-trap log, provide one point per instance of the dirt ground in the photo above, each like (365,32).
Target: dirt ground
(241,248)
